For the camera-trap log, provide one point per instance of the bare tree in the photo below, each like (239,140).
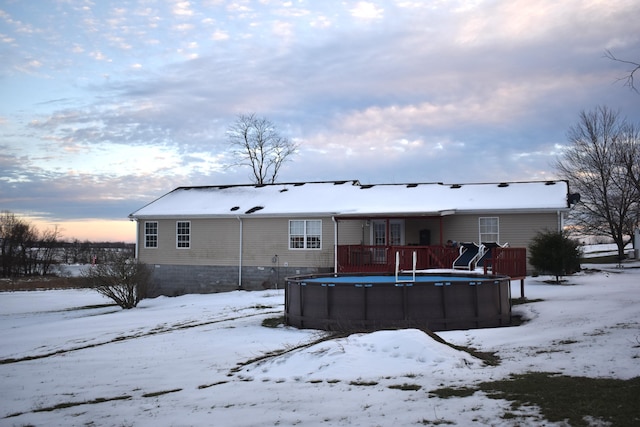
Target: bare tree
(629,78)
(609,199)
(47,249)
(256,143)
(123,279)
(629,152)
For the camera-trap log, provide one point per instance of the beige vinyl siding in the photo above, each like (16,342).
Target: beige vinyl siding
(210,240)
(217,242)
(265,238)
(351,232)
(515,229)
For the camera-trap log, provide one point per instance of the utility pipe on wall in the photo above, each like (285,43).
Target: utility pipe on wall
(240,256)
(137,247)
(335,244)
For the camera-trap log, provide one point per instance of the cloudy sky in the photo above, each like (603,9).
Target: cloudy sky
(107,105)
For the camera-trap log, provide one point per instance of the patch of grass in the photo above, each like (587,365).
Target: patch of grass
(574,400)
(436,422)
(273,322)
(211,385)
(405,387)
(160,393)
(448,392)
(91,307)
(601,259)
(65,405)
(489,358)
(364,383)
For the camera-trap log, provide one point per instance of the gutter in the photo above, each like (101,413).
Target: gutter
(240,255)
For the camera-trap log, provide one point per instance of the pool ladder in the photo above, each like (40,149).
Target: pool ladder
(413,270)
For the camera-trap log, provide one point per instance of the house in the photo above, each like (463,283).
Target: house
(216,238)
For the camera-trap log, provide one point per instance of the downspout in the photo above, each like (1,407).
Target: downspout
(240,255)
(335,244)
(136,251)
(560,221)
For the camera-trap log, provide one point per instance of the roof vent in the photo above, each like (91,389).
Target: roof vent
(412,185)
(456,186)
(365,187)
(550,183)
(503,184)
(284,189)
(254,209)
(339,182)
(235,208)
(298,184)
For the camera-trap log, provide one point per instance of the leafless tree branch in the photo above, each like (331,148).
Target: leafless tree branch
(629,78)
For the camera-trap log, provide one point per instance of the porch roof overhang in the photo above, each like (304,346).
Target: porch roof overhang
(425,214)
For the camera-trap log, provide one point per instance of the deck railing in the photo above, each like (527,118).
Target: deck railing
(381,259)
(510,262)
(368,258)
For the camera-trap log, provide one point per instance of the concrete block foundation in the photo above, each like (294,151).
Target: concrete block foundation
(174,280)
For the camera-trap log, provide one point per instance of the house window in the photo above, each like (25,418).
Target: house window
(183,234)
(305,234)
(150,234)
(489,229)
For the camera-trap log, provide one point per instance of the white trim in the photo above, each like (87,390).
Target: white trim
(144,235)
(178,234)
(398,221)
(497,233)
(304,235)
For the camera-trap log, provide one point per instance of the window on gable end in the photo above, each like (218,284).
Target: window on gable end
(151,234)
(183,234)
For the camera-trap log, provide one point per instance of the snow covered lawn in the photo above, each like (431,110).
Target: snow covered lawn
(69,358)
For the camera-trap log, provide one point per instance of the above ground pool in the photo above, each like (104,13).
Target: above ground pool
(434,301)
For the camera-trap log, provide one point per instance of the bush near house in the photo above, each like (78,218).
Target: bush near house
(122,279)
(552,252)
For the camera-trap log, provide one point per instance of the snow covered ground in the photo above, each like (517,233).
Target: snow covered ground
(199,360)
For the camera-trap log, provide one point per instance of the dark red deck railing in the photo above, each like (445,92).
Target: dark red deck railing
(381,259)
(510,262)
(367,258)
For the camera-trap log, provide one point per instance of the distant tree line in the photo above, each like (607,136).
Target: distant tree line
(27,251)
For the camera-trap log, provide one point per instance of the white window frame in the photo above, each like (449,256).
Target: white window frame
(148,235)
(488,228)
(183,243)
(304,234)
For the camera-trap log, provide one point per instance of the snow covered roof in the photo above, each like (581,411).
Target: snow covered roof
(350,198)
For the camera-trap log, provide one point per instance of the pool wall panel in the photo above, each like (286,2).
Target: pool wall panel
(318,302)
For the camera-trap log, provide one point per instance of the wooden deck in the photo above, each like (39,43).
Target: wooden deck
(510,262)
